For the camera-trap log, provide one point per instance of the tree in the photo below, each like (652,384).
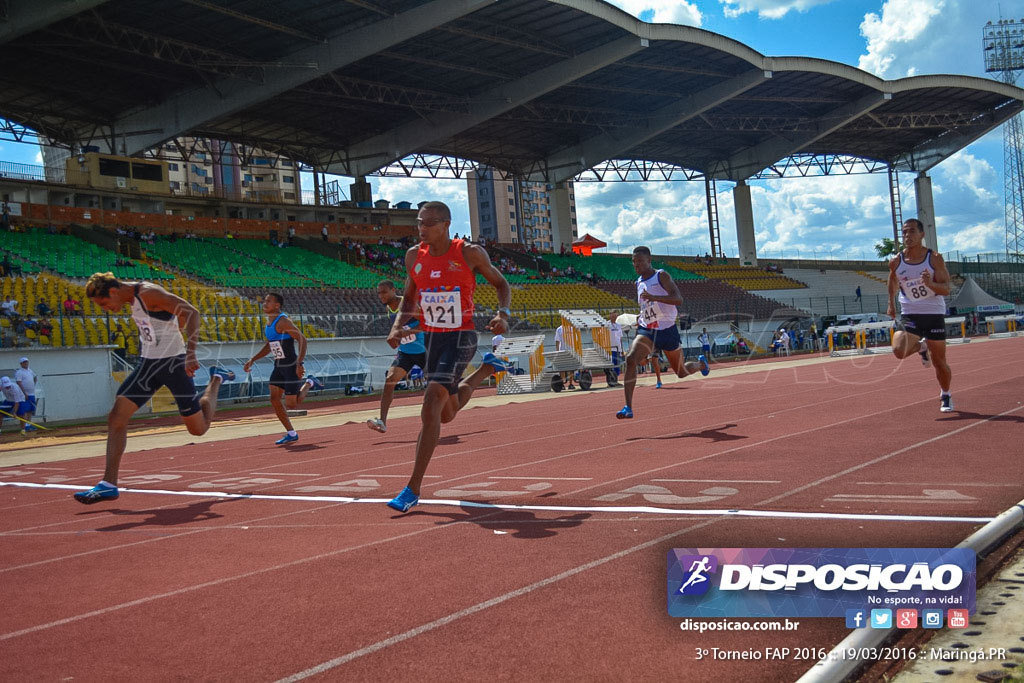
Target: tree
(888,247)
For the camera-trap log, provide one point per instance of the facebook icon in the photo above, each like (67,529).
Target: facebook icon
(856,618)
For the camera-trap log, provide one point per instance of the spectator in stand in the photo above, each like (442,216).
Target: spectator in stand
(323,233)
(785,339)
(43,309)
(741,346)
(858,293)
(45,327)
(10,308)
(71,306)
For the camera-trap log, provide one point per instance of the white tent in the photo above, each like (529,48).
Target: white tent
(972,297)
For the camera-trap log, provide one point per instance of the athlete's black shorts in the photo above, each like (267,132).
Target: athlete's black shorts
(664,340)
(928,326)
(448,354)
(406,361)
(287,378)
(153,373)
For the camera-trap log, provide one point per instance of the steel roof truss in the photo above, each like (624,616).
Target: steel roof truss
(748,162)
(381,150)
(190,110)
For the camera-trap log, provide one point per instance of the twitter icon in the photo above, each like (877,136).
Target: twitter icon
(881,618)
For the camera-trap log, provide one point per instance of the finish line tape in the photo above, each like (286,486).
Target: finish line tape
(641,509)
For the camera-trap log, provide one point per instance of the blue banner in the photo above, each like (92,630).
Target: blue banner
(818,582)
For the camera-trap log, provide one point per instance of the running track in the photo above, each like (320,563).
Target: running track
(165,587)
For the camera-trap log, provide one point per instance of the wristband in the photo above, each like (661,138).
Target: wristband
(506,311)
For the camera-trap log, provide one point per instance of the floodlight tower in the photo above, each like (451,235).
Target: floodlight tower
(1003,43)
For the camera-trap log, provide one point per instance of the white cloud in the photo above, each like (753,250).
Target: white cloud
(911,37)
(768,9)
(663,11)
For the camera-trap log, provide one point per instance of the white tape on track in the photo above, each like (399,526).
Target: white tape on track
(640,509)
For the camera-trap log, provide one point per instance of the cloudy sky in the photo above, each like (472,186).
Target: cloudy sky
(841,215)
(844,216)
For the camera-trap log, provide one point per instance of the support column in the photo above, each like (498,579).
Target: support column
(926,209)
(561,216)
(744,224)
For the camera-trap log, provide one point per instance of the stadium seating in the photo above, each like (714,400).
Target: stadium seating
(708,298)
(315,268)
(209,260)
(744,277)
(73,257)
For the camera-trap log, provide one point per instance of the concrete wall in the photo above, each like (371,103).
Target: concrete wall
(75,383)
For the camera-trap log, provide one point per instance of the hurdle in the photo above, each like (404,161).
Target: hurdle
(963,338)
(533,348)
(860,338)
(1011,326)
(575,356)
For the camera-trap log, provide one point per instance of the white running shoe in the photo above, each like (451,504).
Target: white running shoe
(946,404)
(377,425)
(923,352)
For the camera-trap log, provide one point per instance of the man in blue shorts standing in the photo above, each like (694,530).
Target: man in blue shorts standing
(411,352)
(15,404)
(655,326)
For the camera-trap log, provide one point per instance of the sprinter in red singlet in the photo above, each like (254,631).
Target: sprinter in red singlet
(442,277)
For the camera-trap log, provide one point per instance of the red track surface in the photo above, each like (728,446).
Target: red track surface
(157,587)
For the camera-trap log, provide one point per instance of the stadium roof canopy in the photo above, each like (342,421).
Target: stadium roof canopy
(539,88)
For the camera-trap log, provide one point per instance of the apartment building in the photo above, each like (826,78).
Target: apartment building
(520,211)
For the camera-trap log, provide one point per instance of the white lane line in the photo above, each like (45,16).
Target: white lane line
(947,483)
(724,481)
(188,471)
(381,476)
(547,478)
(883,458)
(287,474)
(638,509)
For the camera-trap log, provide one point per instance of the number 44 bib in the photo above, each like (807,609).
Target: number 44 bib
(442,310)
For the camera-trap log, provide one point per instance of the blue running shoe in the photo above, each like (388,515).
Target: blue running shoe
(287,438)
(314,383)
(225,375)
(658,385)
(498,364)
(705,368)
(625,414)
(31,428)
(404,501)
(96,494)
